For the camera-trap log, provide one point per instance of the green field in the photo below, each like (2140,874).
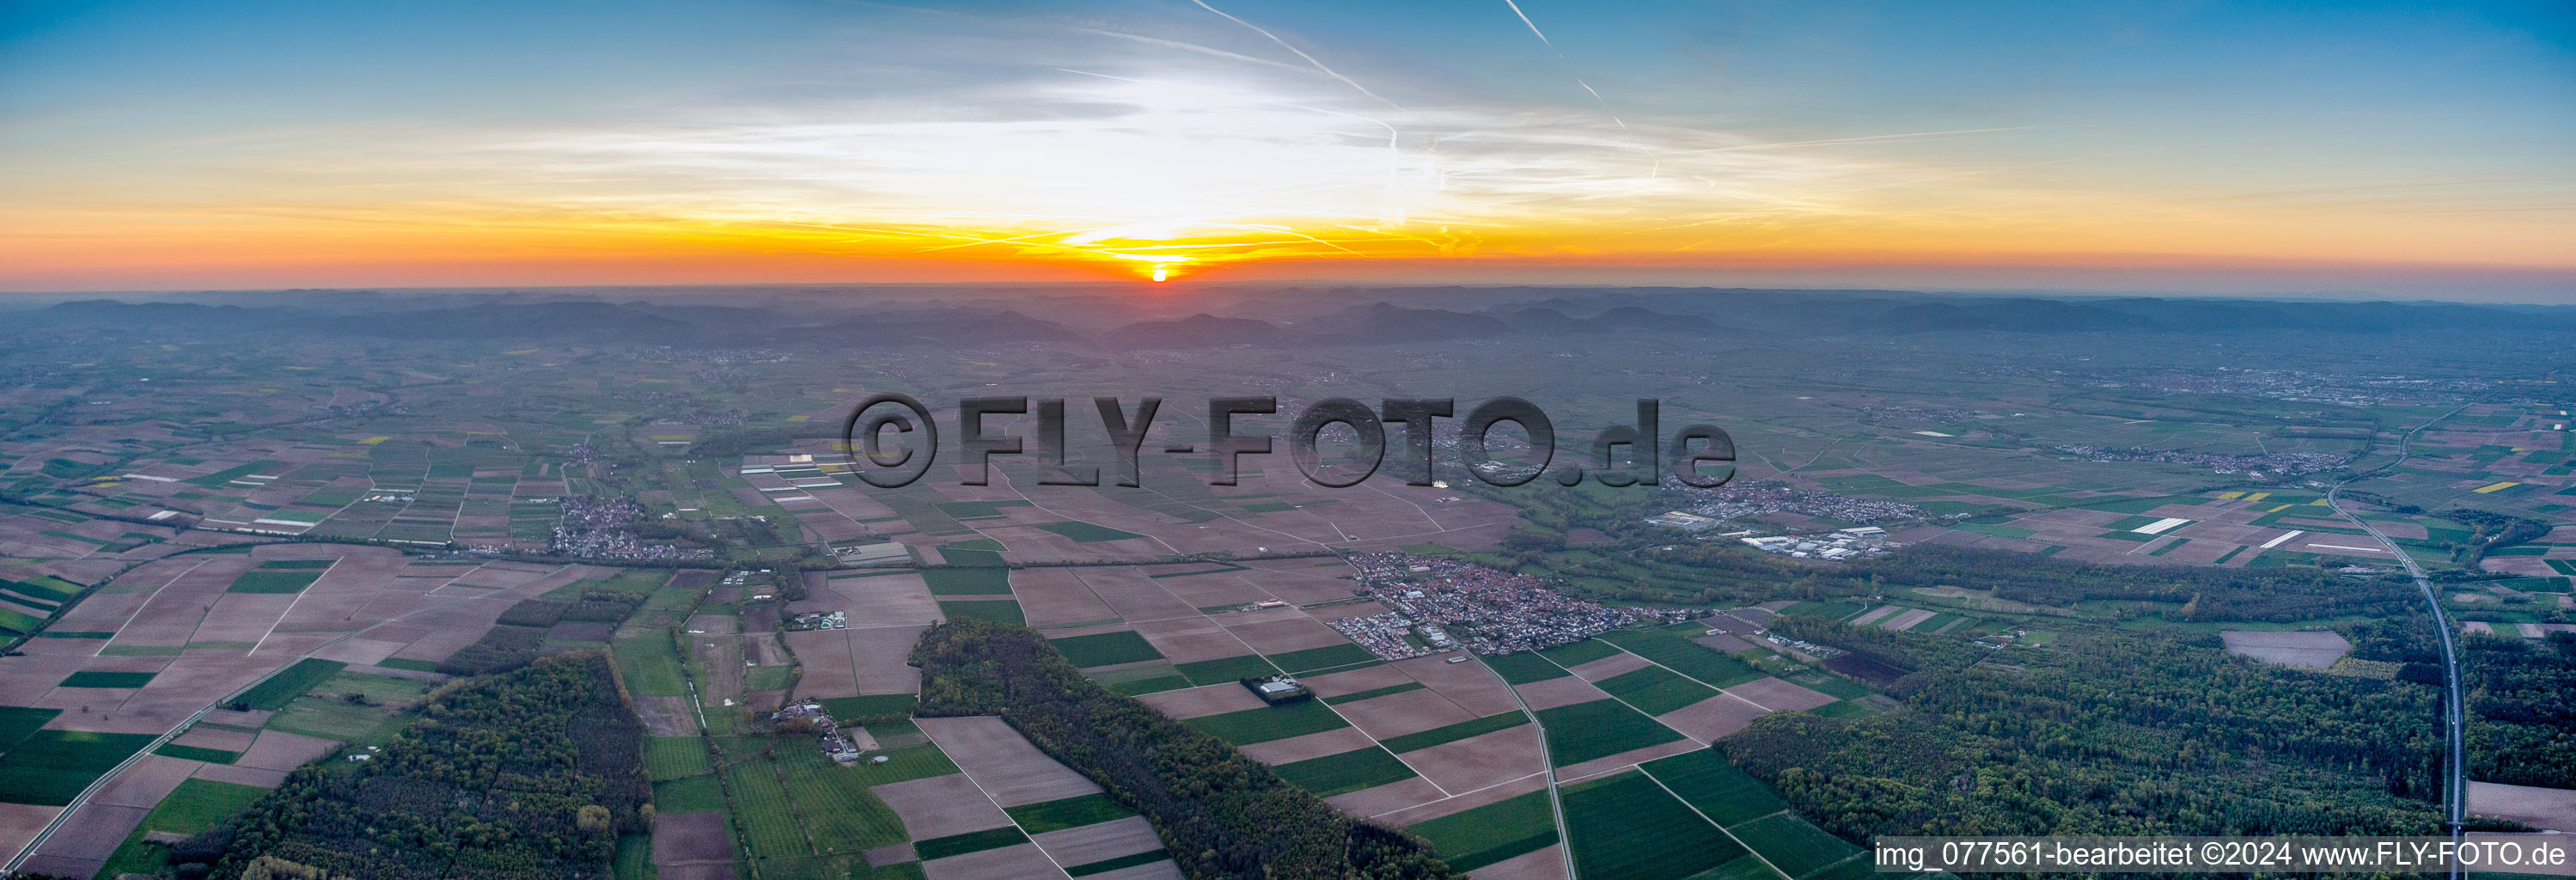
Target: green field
(17,722)
(1625,827)
(1723,791)
(334,718)
(1106,649)
(290,683)
(843,709)
(978,509)
(673,757)
(1227,670)
(193,807)
(1827,683)
(1072,812)
(194,753)
(1269,722)
(290,564)
(760,805)
(1346,772)
(972,841)
(1455,732)
(1684,656)
(999,610)
(265,581)
(839,811)
(95,679)
(1655,690)
(690,794)
(1795,847)
(1373,693)
(903,764)
(1085,533)
(13,621)
(649,664)
(1162,679)
(50,767)
(967,581)
(1598,729)
(1524,667)
(1326,657)
(1106,865)
(1474,838)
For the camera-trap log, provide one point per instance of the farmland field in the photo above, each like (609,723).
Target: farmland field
(50,767)
(1625,827)
(759,799)
(967,581)
(1455,732)
(649,664)
(262,581)
(1727,794)
(838,810)
(196,805)
(1525,667)
(1226,670)
(1474,838)
(1684,656)
(1655,691)
(1106,649)
(1072,812)
(1796,847)
(673,757)
(1085,533)
(290,683)
(1346,772)
(93,679)
(1002,610)
(1269,722)
(1326,657)
(1598,729)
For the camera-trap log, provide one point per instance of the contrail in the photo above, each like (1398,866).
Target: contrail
(1560,56)
(1310,59)
(1533,26)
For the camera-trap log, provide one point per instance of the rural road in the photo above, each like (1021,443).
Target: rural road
(2455,786)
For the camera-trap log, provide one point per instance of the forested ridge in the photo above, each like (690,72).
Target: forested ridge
(519,776)
(1222,815)
(2109,734)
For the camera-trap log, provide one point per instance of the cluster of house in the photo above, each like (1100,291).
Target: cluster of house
(1498,612)
(842,749)
(1858,542)
(818,620)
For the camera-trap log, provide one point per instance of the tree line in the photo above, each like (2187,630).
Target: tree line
(1222,815)
(2113,734)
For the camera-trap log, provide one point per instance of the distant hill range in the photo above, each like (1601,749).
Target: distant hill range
(1273,318)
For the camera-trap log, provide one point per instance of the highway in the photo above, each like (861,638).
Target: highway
(2455,785)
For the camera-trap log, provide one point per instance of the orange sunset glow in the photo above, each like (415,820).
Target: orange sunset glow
(1189,144)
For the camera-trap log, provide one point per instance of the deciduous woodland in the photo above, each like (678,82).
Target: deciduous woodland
(2108,734)
(1220,814)
(526,775)
(2521,695)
